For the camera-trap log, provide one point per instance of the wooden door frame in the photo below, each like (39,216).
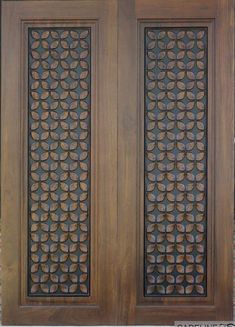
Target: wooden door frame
(133,308)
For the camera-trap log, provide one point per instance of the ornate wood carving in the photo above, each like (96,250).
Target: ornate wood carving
(59,161)
(175,161)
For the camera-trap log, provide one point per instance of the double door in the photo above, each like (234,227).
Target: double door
(117,161)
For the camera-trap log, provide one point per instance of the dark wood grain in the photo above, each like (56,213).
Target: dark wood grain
(127,162)
(224,158)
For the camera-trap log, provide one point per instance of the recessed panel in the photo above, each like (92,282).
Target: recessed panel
(175,161)
(59,142)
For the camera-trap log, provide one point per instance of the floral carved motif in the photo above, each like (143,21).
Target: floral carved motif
(175,161)
(59,161)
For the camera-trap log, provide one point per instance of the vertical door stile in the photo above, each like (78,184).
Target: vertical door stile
(127,160)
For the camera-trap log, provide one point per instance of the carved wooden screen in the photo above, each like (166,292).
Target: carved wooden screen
(175,161)
(59,160)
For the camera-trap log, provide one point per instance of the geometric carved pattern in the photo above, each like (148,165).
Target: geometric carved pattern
(59,161)
(175,161)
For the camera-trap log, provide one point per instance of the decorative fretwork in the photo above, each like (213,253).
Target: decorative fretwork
(175,161)
(59,72)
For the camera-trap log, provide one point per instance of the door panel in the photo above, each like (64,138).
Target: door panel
(58,162)
(180,217)
(175,165)
(172,111)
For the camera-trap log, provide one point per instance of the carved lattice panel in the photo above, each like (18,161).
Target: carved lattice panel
(59,72)
(175,161)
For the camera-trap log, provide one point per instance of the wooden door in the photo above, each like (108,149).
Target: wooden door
(117,161)
(59,155)
(175,188)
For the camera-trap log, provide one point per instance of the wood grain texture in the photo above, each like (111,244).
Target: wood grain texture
(99,308)
(224,159)
(127,162)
